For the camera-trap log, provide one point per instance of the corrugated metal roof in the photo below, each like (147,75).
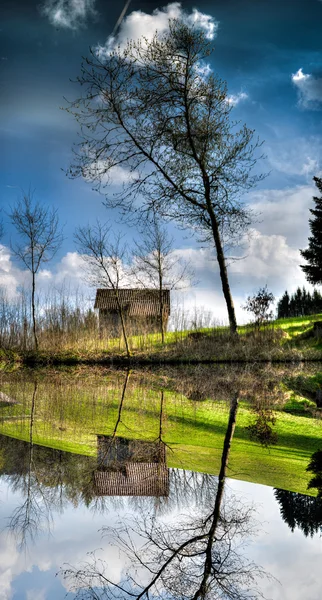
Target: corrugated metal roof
(142,479)
(137,302)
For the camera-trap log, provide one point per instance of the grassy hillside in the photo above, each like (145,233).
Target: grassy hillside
(282,340)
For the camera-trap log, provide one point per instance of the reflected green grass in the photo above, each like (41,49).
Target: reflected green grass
(70,413)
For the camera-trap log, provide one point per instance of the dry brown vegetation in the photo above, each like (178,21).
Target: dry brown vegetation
(68,331)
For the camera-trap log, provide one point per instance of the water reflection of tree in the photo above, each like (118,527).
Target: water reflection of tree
(261,429)
(197,557)
(29,518)
(259,388)
(63,473)
(49,478)
(299,510)
(315,467)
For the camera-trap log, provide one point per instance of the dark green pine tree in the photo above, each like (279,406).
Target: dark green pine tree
(305,302)
(283,306)
(298,306)
(313,254)
(316,302)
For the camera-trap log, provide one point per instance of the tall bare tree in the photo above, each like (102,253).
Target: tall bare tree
(157,266)
(41,236)
(157,109)
(104,255)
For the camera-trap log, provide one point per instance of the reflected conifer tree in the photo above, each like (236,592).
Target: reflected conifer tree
(300,511)
(315,467)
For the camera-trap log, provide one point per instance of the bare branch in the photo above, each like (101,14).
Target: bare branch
(157,266)
(104,254)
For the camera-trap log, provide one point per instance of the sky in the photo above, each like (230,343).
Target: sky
(32,575)
(269,54)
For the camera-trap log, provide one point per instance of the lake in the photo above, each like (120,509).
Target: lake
(186,482)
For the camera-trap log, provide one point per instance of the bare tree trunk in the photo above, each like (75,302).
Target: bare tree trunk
(25,333)
(161,308)
(201,592)
(223,274)
(123,326)
(32,413)
(33,310)
(121,404)
(161,416)
(26,509)
(118,420)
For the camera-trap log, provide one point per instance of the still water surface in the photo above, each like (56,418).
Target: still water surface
(160,475)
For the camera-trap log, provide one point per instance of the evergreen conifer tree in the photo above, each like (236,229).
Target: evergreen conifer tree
(298,307)
(313,254)
(316,302)
(283,306)
(300,303)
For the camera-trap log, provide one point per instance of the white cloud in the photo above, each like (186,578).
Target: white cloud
(272,254)
(114,176)
(284,212)
(10,276)
(202,259)
(45,274)
(68,272)
(139,24)
(36,594)
(69,14)
(299,77)
(9,555)
(310,166)
(309,88)
(300,156)
(50,554)
(269,260)
(235,99)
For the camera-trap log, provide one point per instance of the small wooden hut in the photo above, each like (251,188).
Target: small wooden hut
(140,307)
(130,468)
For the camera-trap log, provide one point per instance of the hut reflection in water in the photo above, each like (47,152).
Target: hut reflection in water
(130,468)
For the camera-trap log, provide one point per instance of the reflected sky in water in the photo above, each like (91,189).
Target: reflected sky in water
(58,506)
(29,573)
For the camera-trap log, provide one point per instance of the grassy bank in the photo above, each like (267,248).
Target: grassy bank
(289,340)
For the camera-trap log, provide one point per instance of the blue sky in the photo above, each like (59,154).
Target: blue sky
(269,54)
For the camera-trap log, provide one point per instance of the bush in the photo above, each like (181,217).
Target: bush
(259,306)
